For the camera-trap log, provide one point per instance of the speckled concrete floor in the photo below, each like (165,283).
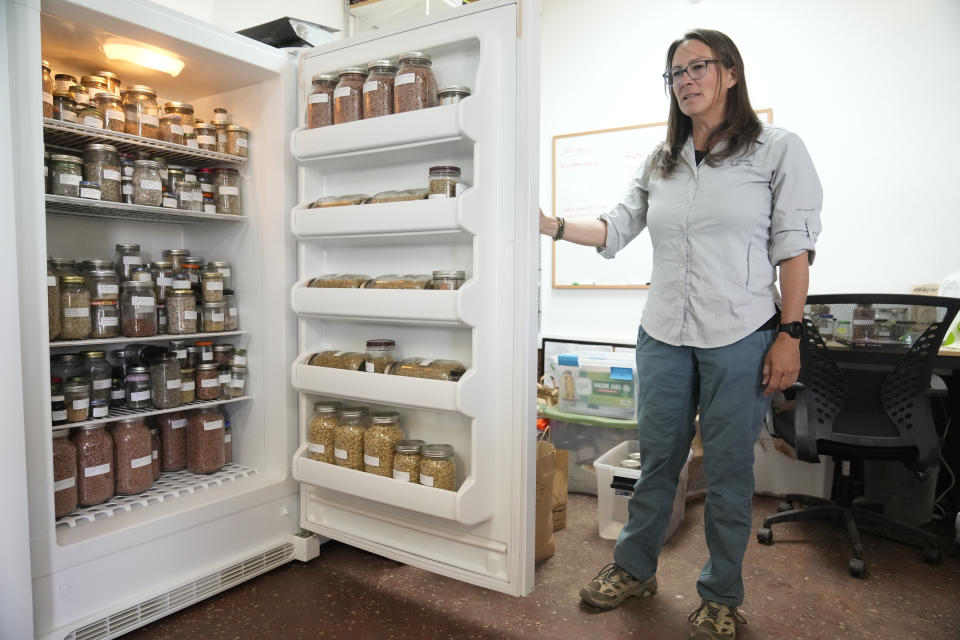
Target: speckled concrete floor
(797,589)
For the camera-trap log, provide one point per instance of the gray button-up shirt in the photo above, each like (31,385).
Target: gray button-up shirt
(717,234)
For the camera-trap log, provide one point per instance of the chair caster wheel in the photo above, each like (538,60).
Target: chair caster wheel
(858,568)
(932,555)
(765,536)
(786,505)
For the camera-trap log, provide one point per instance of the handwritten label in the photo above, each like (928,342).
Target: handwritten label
(404,78)
(151,185)
(93,121)
(229,191)
(311,99)
(89,193)
(178,424)
(76,312)
(69,178)
(209,382)
(66,483)
(113,114)
(139,396)
(401,475)
(173,384)
(111,174)
(136,463)
(340,453)
(149,120)
(318,448)
(214,424)
(98,470)
(341,92)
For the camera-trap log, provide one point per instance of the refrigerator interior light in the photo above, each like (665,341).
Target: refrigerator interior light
(145,57)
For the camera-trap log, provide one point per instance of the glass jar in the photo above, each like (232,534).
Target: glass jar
(348,437)
(46,88)
(188,385)
(238,382)
(221,137)
(189,196)
(443,181)
(380,353)
(94,264)
(206,136)
(155,453)
(320,431)
(348,96)
(46,172)
(239,357)
(141,112)
(320,101)
(175,257)
(223,268)
(94,85)
(208,381)
(65,366)
(74,309)
(213,316)
(204,351)
(147,183)
(171,128)
(111,111)
(378,443)
(415,86)
(76,395)
(223,376)
(165,382)
(227,442)
(126,189)
(161,318)
(63,82)
(238,140)
(161,272)
(227,183)
(89,190)
(437,468)
(127,256)
(426,368)
(138,309)
(102,284)
(89,116)
(452,94)
(81,97)
(118,394)
(163,170)
(181,312)
(184,111)
(221,116)
(99,408)
(101,163)
(397,281)
(221,354)
(58,405)
(99,372)
(137,386)
(63,266)
(64,473)
(211,286)
(64,107)
(94,465)
(112,80)
(173,440)
(231,320)
(205,431)
(378,89)
(66,172)
(133,456)
(406,461)
(172,182)
(447,280)
(104,319)
(53,304)
(864,317)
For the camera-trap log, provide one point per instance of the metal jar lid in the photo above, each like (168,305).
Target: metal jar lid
(208,366)
(454,89)
(326,407)
(62,433)
(204,126)
(141,88)
(323,78)
(629,464)
(449,275)
(102,273)
(72,279)
(64,95)
(385,417)
(218,263)
(107,75)
(97,79)
(138,369)
(354,412)
(175,252)
(212,305)
(105,95)
(76,386)
(127,247)
(138,284)
(381,343)
(408,446)
(146,164)
(161,264)
(66,358)
(437,451)
(237,127)
(416,56)
(382,64)
(634,456)
(445,169)
(223,348)
(96,146)
(236,369)
(178,105)
(93,354)
(59,157)
(348,70)
(45,65)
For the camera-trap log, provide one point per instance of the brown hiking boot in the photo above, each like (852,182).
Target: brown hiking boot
(715,621)
(613,585)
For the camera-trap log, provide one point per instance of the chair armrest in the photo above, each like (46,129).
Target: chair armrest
(938,388)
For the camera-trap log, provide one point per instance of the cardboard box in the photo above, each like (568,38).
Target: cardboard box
(599,384)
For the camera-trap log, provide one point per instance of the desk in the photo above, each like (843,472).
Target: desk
(887,354)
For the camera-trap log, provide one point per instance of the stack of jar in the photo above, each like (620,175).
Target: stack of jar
(98,101)
(445,280)
(380,357)
(93,463)
(353,438)
(132,297)
(380,88)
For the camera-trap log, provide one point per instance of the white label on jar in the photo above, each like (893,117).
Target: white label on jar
(51,281)
(225,271)
(189,385)
(127,189)
(181,284)
(192,143)
(206,140)
(66,483)
(214,286)
(426,363)
(340,453)
(181,353)
(239,361)
(216,317)
(225,378)
(228,438)
(155,455)
(110,322)
(56,398)
(113,114)
(76,312)
(131,259)
(139,396)
(236,384)
(173,384)
(404,78)
(83,98)
(438,196)
(100,412)
(426,481)
(371,460)
(189,315)
(136,463)
(178,424)
(68,116)
(151,185)
(47,97)
(215,424)
(233,312)
(373,85)
(164,282)
(221,137)
(209,208)
(59,416)
(64,85)
(190,177)
(107,289)
(87,192)
(102,384)
(93,121)
(341,92)
(369,367)
(111,174)
(127,170)
(142,301)
(46,172)
(229,191)
(242,143)
(318,448)
(69,178)
(98,470)
(187,128)
(117,394)
(170,202)
(401,475)
(206,355)
(176,129)
(210,382)
(81,404)
(149,120)
(164,174)
(314,98)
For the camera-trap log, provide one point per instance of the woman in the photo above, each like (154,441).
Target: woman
(727,201)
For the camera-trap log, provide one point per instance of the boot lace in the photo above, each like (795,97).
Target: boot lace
(712,613)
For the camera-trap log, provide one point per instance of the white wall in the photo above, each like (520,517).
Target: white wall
(870,87)
(234,15)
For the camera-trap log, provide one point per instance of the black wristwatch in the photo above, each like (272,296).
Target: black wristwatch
(792,329)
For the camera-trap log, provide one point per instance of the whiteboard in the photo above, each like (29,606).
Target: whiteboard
(591,172)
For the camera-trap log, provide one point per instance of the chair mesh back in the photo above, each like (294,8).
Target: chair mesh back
(822,376)
(911,376)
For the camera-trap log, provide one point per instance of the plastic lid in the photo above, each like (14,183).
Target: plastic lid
(408,446)
(381,343)
(205,343)
(103,303)
(437,451)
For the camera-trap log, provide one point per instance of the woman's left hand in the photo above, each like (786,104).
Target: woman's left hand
(781,366)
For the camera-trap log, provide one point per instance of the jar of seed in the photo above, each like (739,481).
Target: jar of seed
(227,442)
(415,86)
(221,354)
(321,429)
(53,304)
(175,257)
(138,309)
(437,468)
(320,100)
(66,172)
(118,393)
(181,312)
(147,183)
(81,97)
(112,80)
(449,370)
(99,372)
(231,321)
(380,353)
(238,382)
(227,184)
(64,107)
(205,431)
(443,181)
(155,453)
(137,386)
(347,97)
(127,256)
(94,85)
(74,309)
(103,284)
(89,116)
(378,89)
(165,381)
(46,88)
(161,273)
(171,128)
(133,456)
(94,465)
(452,94)
(111,110)
(141,113)
(238,140)
(64,474)
(185,113)
(189,196)
(224,377)
(239,357)
(63,266)
(204,351)
(379,442)
(76,396)
(221,116)
(104,319)
(173,440)
(211,286)
(447,280)
(101,164)
(213,316)
(63,82)
(188,385)
(208,381)
(58,405)
(206,136)
(352,360)
(406,460)
(348,437)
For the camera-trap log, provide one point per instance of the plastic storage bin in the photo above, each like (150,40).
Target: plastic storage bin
(612,501)
(599,384)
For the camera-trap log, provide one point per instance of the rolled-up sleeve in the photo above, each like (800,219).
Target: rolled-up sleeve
(629,218)
(797,200)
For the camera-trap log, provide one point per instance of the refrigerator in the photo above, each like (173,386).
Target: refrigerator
(105,570)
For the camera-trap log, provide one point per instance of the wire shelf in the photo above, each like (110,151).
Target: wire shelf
(83,207)
(118,413)
(161,337)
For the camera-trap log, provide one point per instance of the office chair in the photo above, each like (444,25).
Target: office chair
(875,408)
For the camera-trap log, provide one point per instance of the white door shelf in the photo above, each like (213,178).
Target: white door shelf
(86,208)
(414,306)
(401,391)
(400,133)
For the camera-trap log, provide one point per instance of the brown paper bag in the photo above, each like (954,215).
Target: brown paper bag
(543,538)
(561,478)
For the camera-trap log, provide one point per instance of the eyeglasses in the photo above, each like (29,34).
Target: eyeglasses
(696,70)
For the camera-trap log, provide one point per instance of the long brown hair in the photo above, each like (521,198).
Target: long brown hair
(740,127)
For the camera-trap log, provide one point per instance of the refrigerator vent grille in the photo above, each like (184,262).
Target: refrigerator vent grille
(149,610)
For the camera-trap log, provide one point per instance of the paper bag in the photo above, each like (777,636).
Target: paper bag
(543,538)
(561,476)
